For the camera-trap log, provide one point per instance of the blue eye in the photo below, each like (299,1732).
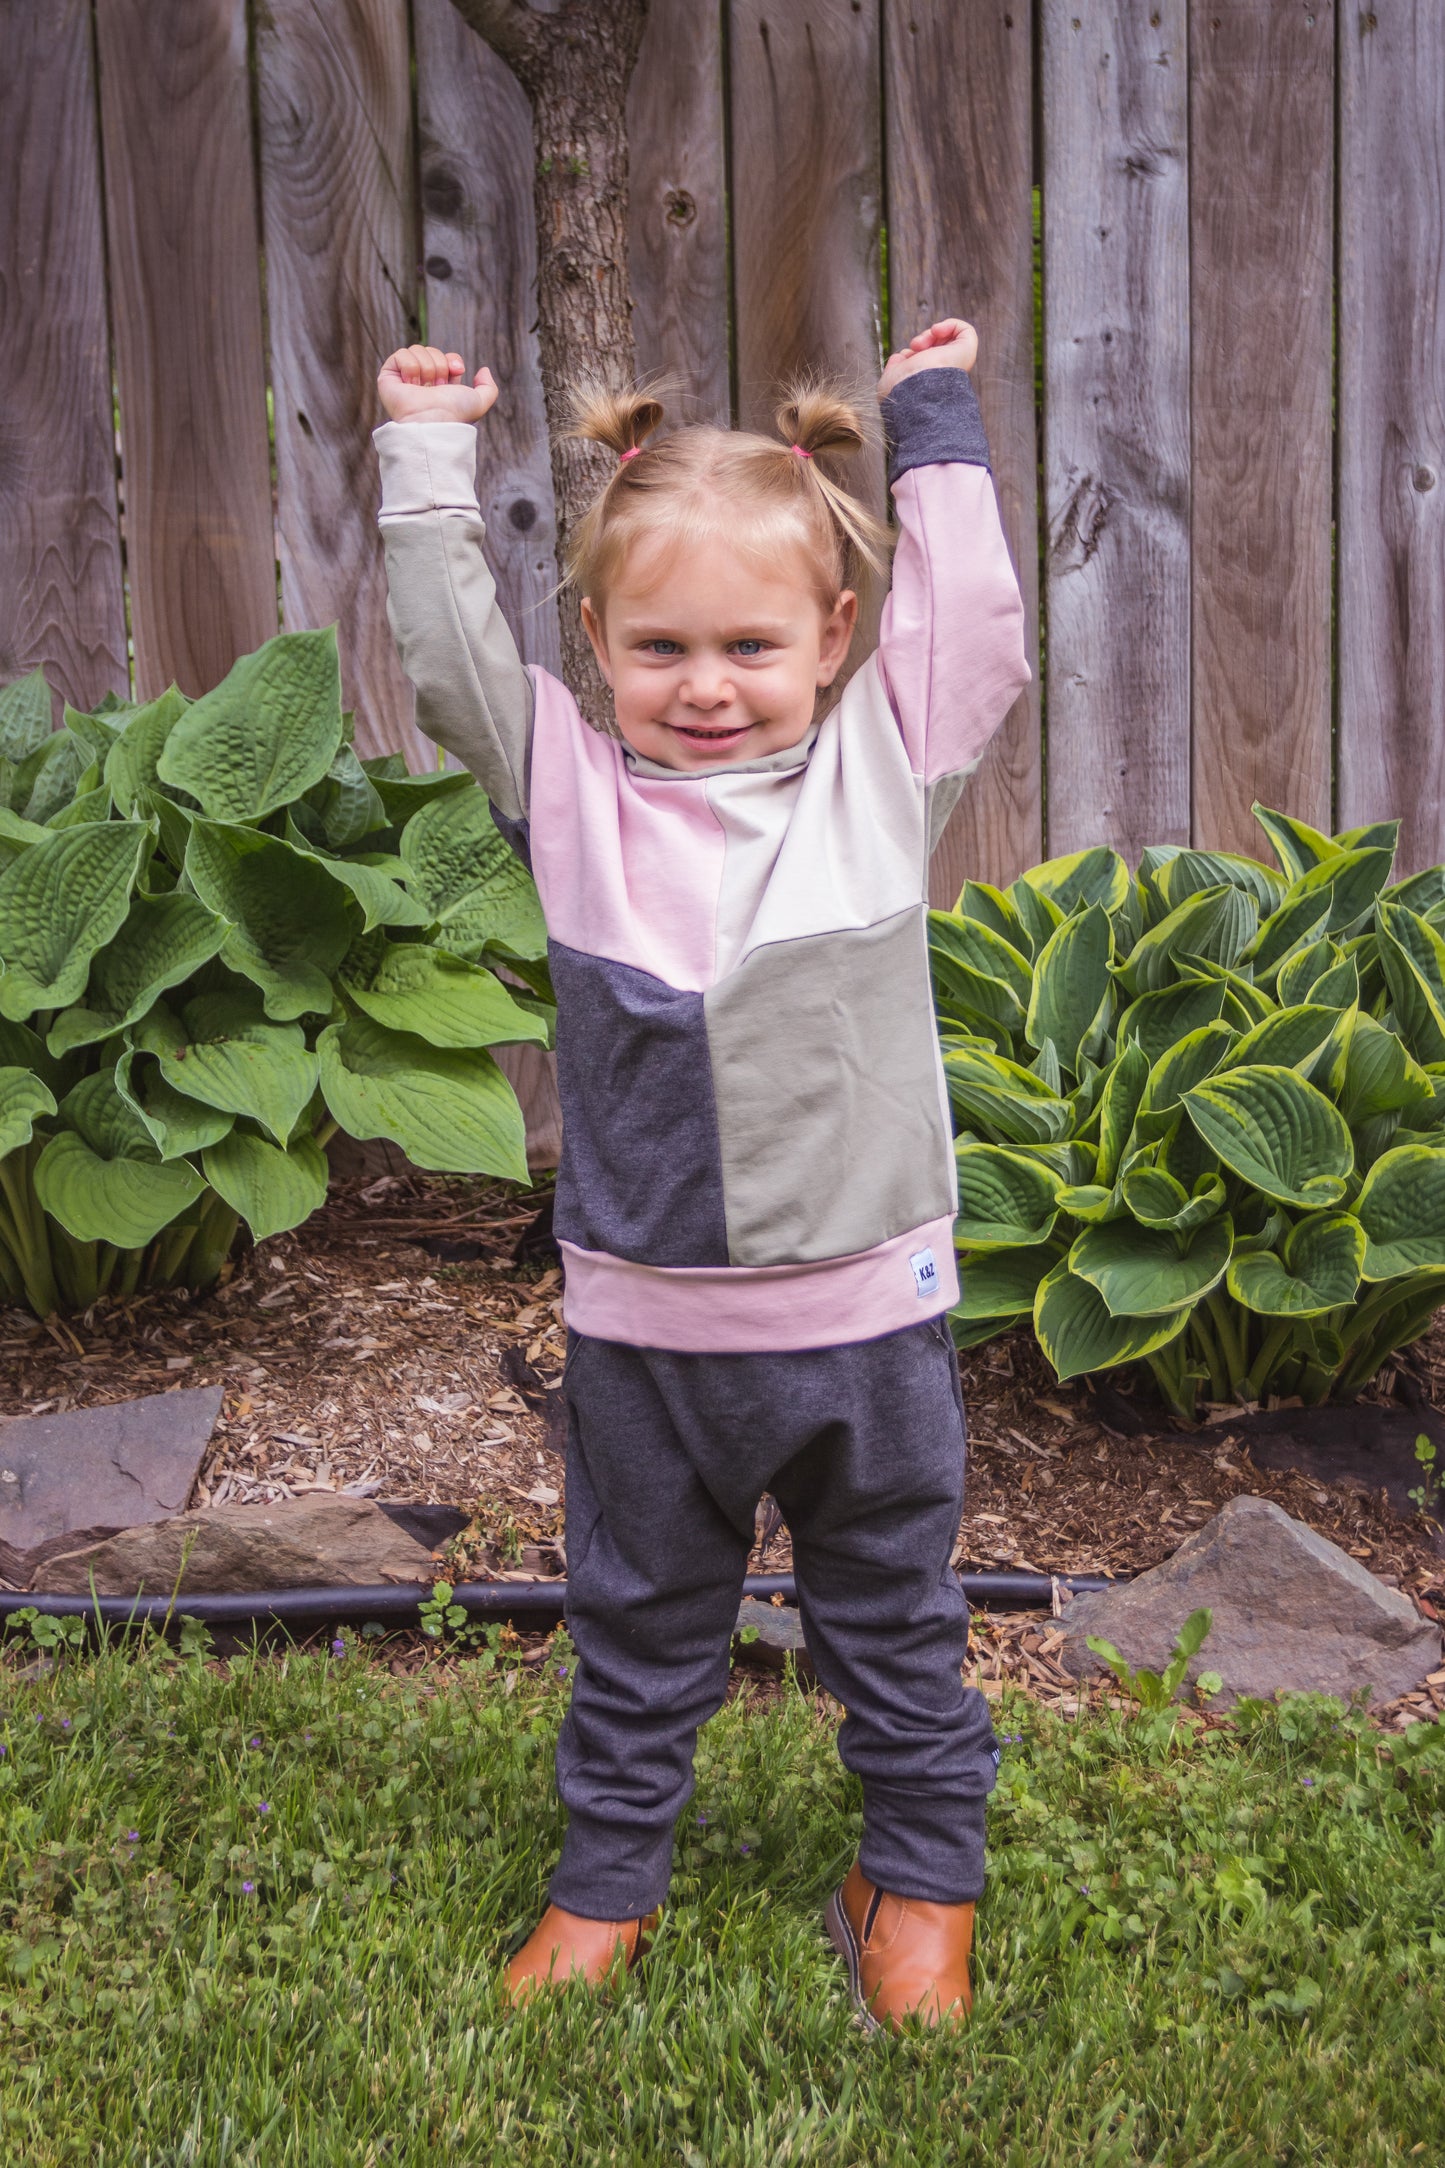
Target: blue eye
(750,647)
(665,647)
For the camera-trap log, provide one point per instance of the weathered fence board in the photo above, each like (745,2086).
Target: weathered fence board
(337,214)
(807,203)
(677,238)
(1261,270)
(60,561)
(1392,422)
(1116,421)
(185,289)
(960,225)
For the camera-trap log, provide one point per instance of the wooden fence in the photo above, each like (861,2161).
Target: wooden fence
(1219,440)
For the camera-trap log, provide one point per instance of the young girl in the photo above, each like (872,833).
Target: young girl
(756,1194)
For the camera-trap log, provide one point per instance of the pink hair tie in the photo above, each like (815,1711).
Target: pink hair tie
(631,453)
(800,452)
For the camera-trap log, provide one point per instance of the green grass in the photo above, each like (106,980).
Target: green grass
(257,1918)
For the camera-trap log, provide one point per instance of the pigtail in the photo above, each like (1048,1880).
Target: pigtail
(620,420)
(816,419)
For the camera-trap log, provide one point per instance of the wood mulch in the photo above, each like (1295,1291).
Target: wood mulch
(355,1359)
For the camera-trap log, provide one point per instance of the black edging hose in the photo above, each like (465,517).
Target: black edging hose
(535,1603)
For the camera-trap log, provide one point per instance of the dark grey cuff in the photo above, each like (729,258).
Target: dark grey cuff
(933,417)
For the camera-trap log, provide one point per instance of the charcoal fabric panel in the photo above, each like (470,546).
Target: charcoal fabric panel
(825,1070)
(863,1448)
(933,418)
(641,1175)
(515,834)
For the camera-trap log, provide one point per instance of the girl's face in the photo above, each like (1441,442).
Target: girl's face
(711,660)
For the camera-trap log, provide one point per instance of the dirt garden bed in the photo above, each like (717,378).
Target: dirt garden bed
(397,1347)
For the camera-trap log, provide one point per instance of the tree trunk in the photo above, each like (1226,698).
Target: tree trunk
(574,64)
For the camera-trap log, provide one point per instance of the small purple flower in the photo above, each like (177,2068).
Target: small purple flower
(745,1849)
(247,1887)
(1308,1781)
(1083,1889)
(561,1671)
(132,1836)
(264,1807)
(65,1723)
(701,1820)
(254,1742)
(338,1647)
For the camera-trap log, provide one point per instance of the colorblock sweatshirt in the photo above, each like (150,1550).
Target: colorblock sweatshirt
(757,1153)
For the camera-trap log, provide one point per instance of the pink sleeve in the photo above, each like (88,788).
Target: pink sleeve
(951,644)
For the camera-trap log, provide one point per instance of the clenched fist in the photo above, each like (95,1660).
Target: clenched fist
(422,384)
(952,344)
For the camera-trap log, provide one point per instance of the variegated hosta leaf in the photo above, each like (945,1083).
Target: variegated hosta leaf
(1412,957)
(1197,1055)
(1156,1199)
(1119,1105)
(1038,913)
(60,901)
(468,879)
(1317,1269)
(1005,1202)
(447,1002)
(1215,924)
(1275,1131)
(1003,1283)
(130,765)
(1078,1334)
(163,941)
(989,906)
(124,1201)
(449,1110)
(1402,1210)
(1071,996)
(1003,1099)
(270,1188)
(289,920)
(1297,924)
(1158,1021)
(1186,872)
(268,731)
(24,1101)
(1297,846)
(1097,875)
(222,1050)
(1141,1271)
(1352,880)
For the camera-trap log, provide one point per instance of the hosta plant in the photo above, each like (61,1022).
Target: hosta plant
(1201,1111)
(223,937)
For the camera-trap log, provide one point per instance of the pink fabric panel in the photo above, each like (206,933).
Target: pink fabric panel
(952,638)
(627,867)
(759,1309)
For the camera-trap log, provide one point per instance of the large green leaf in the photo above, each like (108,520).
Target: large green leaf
(1072,995)
(1005,1202)
(99,1112)
(130,766)
(24,1101)
(384,902)
(289,920)
(1003,1284)
(177,1124)
(1412,957)
(163,941)
(1187,1063)
(1402,1210)
(468,879)
(271,1189)
(56,774)
(123,1201)
(989,906)
(1156,1199)
(447,1002)
(222,1051)
(1298,923)
(1001,1097)
(1276,1131)
(1214,924)
(1297,846)
(967,941)
(1352,880)
(1119,1104)
(25,717)
(1141,1271)
(1186,872)
(449,1110)
(347,803)
(267,732)
(1380,1076)
(1078,1334)
(1158,1020)
(1302,972)
(1097,875)
(1318,1269)
(60,901)
(404,796)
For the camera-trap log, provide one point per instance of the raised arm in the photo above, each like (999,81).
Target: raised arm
(472,693)
(951,644)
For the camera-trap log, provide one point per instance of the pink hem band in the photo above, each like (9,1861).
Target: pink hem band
(763,1309)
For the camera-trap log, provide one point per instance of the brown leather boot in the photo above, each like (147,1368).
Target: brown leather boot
(905,1958)
(563,1946)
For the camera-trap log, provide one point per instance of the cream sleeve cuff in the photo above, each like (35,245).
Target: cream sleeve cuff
(427,467)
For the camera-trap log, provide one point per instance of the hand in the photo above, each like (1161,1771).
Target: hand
(422,384)
(953,344)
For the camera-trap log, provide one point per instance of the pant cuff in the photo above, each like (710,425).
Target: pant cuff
(611,1872)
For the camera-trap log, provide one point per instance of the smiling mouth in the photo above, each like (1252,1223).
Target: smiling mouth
(707,733)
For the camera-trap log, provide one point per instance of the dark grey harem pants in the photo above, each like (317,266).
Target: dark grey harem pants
(668,1455)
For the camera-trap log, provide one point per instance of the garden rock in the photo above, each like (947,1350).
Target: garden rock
(324,1540)
(779,1631)
(110,1467)
(1292,1613)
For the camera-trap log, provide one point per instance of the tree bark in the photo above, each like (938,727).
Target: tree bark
(574,63)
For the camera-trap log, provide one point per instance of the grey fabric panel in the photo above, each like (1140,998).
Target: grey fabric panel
(863,1448)
(641,1176)
(940,799)
(932,418)
(824,1062)
(517,835)
(472,693)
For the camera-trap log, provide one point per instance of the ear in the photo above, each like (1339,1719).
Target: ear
(592,624)
(837,636)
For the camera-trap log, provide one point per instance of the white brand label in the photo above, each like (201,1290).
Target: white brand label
(925,1273)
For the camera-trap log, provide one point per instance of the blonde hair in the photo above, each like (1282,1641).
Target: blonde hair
(762,494)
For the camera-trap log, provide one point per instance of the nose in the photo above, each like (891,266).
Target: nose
(708,685)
